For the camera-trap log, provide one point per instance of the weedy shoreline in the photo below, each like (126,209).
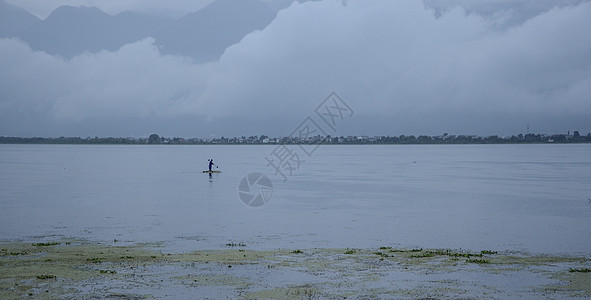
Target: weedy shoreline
(77,268)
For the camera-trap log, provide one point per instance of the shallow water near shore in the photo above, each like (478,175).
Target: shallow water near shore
(531,198)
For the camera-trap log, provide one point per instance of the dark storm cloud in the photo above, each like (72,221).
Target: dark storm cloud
(403,67)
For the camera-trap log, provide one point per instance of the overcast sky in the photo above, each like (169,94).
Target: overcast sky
(463,67)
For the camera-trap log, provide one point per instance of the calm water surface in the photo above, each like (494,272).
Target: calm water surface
(531,198)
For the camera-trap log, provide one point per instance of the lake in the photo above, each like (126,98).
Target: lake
(532,198)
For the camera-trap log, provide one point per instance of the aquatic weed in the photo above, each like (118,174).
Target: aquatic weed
(467,255)
(478,261)
(381,254)
(450,253)
(46,244)
(582,270)
(406,250)
(427,254)
(95,260)
(303,292)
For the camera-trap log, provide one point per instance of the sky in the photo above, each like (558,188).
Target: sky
(404,67)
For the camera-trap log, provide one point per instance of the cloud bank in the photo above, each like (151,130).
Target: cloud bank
(403,68)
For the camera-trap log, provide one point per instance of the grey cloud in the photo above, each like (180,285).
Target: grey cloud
(134,81)
(400,66)
(396,60)
(504,13)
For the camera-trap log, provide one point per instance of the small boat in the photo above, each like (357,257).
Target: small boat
(212,172)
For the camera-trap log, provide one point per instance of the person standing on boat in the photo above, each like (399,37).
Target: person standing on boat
(210,164)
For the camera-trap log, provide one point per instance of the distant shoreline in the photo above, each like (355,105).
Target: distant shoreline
(445,139)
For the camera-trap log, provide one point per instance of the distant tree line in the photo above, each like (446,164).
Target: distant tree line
(155,139)
(66,140)
(467,139)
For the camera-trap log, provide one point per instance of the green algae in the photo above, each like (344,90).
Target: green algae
(581,270)
(213,280)
(71,268)
(478,261)
(577,284)
(288,293)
